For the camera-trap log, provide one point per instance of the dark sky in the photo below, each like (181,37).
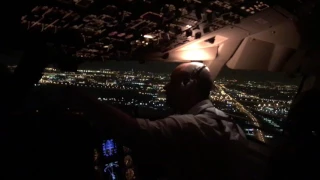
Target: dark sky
(13,58)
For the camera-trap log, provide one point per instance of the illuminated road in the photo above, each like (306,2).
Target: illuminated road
(259,133)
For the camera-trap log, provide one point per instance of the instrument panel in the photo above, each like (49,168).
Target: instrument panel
(113,161)
(110,30)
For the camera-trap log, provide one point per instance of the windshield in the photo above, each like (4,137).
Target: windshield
(258,101)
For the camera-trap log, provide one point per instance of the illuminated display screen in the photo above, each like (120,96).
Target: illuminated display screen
(112,170)
(110,166)
(109,148)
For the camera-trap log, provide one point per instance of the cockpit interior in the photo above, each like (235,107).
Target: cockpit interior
(233,37)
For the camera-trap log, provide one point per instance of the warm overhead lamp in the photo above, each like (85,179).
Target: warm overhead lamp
(148,36)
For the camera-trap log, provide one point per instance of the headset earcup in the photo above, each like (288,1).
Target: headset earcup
(188,83)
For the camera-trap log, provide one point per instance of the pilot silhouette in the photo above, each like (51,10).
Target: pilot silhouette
(198,142)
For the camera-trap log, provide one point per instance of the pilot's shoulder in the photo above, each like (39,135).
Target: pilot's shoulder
(182,117)
(218,112)
(168,118)
(221,113)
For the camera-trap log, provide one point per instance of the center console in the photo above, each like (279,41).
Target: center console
(113,161)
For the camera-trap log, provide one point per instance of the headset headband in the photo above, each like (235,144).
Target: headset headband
(197,71)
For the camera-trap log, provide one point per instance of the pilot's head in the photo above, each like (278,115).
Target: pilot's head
(190,83)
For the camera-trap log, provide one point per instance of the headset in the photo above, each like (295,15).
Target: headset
(193,76)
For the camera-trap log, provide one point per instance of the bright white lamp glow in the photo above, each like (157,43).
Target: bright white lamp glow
(196,54)
(148,36)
